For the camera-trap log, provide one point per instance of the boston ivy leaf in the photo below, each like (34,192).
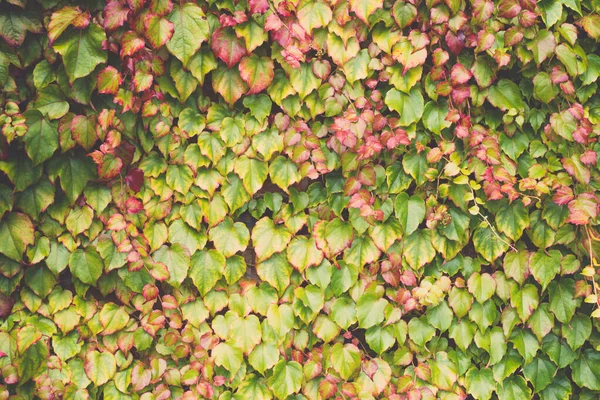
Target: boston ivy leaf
(73,173)
(257,72)
(418,249)
(41,139)
(480,383)
(489,244)
(586,370)
(545,266)
(14,26)
(286,379)
(345,359)
(229,237)
(100,367)
(410,106)
(364,8)
(16,233)
(190,29)
(227,46)
(86,265)
(177,260)
(410,212)
(207,268)
(513,219)
(506,95)
(229,84)
(81,50)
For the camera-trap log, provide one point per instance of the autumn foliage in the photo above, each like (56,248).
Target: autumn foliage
(304,199)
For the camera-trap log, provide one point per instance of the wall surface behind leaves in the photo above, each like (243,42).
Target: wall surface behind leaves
(302,199)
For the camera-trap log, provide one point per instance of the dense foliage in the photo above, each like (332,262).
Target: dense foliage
(299,199)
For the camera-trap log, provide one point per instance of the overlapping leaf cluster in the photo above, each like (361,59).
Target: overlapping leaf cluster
(299,199)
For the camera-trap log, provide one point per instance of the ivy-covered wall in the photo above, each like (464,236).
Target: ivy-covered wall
(303,199)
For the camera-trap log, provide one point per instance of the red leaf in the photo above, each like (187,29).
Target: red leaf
(114,15)
(258,6)
(134,179)
(460,75)
(227,46)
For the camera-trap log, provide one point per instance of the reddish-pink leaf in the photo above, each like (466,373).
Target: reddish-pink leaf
(258,6)
(583,208)
(115,15)
(108,80)
(588,157)
(563,195)
(460,75)
(227,46)
(257,72)
(134,205)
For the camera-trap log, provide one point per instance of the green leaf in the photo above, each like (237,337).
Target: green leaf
(16,233)
(229,84)
(444,371)
(542,46)
(253,173)
(543,88)
(362,252)
(514,388)
(480,383)
(51,102)
(364,8)
(81,50)
(482,286)
(410,212)
(275,270)
(246,333)
(586,370)
(333,237)
(269,239)
(489,244)
(208,267)
(264,357)
(286,379)
(420,332)
(345,359)
(545,266)
(313,14)
(506,95)
(113,318)
(516,265)
(343,312)
(562,299)
(41,139)
(227,356)
(41,280)
(540,372)
(564,123)
(417,248)
(100,367)
(304,80)
(577,331)
(512,220)
(409,106)
(74,174)
(525,300)
(180,178)
(434,117)
(283,172)
(370,309)
(177,260)
(303,253)
(190,29)
(230,238)
(14,26)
